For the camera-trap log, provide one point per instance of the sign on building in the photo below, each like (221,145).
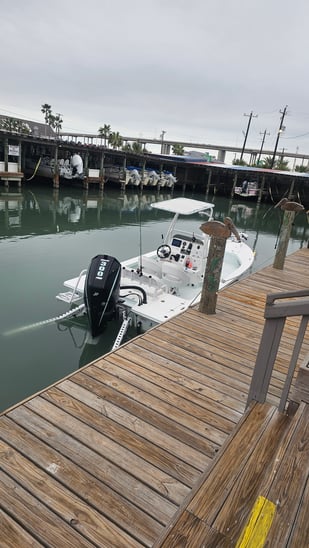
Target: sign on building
(13,150)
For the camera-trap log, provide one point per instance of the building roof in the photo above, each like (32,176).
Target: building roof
(37,129)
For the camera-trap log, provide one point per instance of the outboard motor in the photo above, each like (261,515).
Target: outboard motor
(102,291)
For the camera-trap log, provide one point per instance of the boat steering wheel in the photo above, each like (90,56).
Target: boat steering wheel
(164,251)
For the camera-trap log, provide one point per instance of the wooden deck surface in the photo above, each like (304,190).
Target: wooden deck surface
(150,446)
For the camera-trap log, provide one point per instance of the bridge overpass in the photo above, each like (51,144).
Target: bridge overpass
(167,144)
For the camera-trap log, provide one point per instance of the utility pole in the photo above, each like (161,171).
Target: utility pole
(280,130)
(251,115)
(263,141)
(295,159)
(162,139)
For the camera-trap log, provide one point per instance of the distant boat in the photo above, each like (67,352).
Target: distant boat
(248,189)
(135,177)
(45,167)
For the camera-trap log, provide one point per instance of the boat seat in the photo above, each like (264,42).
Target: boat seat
(174,273)
(151,267)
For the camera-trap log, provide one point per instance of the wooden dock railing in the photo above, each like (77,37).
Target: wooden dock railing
(276,314)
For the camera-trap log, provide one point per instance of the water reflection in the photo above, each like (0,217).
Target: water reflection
(30,207)
(10,209)
(37,211)
(77,331)
(54,235)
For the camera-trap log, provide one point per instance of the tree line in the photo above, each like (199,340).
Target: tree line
(267,163)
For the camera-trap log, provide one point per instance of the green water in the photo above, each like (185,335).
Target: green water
(47,237)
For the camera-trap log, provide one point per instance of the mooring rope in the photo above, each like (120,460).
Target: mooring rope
(35,170)
(73,312)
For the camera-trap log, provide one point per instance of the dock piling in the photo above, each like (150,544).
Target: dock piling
(290,209)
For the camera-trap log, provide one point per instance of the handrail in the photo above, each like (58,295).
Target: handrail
(275,315)
(75,292)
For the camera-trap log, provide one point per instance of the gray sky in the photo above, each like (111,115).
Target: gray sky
(191,68)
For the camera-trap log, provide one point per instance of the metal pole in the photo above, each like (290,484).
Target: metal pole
(281,128)
(248,126)
(162,138)
(263,141)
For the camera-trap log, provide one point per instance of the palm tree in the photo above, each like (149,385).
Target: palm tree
(127,147)
(115,139)
(301,169)
(46,110)
(267,162)
(57,121)
(239,162)
(282,165)
(178,149)
(137,147)
(104,132)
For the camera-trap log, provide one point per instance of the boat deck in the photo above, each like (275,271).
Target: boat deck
(150,445)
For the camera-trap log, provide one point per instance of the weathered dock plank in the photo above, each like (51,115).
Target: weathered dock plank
(136,448)
(265,458)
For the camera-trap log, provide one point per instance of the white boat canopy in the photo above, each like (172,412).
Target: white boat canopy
(183,206)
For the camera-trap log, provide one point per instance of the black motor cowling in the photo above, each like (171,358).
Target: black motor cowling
(102,291)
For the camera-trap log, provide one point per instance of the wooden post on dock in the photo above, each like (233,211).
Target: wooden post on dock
(185,180)
(291,191)
(290,209)
(56,170)
(208,182)
(6,155)
(212,277)
(234,185)
(218,232)
(261,190)
(143,176)
(101,174)
(19,164)
(123,183)
(86,171)
(55,205)
(6,161)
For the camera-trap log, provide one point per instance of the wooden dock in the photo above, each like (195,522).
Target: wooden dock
(150,445)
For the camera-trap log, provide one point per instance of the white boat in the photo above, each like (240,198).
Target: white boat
(248,189)
(167,179)
(156,286)
(153,178)
(67,168)
(132,177)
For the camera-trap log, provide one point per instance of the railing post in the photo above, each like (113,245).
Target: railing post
(296,351)
(265,359)
(275,315)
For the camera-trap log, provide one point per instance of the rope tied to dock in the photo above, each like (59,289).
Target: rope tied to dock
(73,312)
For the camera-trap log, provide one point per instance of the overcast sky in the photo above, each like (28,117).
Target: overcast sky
(192,68)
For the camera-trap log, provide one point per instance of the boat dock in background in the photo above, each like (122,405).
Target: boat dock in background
(152,444)
(107,166)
